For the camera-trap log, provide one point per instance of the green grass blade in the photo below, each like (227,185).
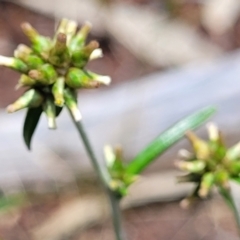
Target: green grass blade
(167,139)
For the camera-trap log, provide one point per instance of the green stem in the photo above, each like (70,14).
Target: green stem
(116,215)
(105,178)
(103,175)
(228,197)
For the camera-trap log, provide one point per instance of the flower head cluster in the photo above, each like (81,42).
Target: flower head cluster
(52,69)
(120,179)
(211,163)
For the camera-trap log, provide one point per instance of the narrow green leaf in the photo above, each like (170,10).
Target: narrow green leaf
(167,139)
(30,124)
(228,198)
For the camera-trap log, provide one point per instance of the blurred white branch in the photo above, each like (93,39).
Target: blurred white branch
(155,39)
(219,16)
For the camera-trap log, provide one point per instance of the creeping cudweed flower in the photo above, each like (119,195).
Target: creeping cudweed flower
(211,164)
(51,71)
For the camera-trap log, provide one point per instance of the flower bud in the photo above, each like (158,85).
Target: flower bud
(234,168)
(67,27)
(59,54)
(115,185)
(77,78)
(97,53)
(80,38)
(80,57)
(61,27)
(185,154)
(118,152)
(70,30)
(14,63)
(58,91)
(234,152)
(45,75)
(109,155)
(221,177)
(31,98)
(71,103)
(103,80)
(29,31)
(25,81)
(200,147)
(40,44)
(21,50)
(30,59)
(117,170)
(50,111)
(213,132)
(193,166)
(207,182)
(34,61)
(216,143)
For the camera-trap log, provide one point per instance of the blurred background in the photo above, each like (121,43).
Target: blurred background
(166,58)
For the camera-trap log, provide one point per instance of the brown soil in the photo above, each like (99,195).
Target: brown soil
(168,221)
(157,221)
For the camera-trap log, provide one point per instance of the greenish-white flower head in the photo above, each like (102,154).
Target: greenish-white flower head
(52,70)
(116,166)
(210,164)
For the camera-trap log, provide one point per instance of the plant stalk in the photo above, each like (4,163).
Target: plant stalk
(105,178)
(229,199)
(116,215)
